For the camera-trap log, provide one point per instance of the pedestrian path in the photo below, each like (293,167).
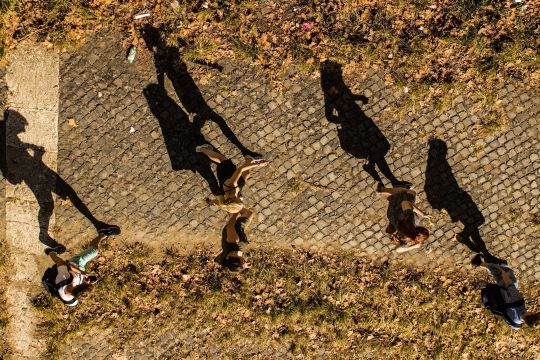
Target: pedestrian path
(316,193)
(31,132)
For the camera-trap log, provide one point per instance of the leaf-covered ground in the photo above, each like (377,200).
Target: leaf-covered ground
(419,43)
(308,303)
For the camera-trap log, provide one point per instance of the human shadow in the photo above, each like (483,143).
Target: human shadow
(181,136)
(358,134)
(23,163)
(168,63)
(443,192)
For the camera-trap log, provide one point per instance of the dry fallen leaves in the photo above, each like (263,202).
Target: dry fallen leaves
(72,122)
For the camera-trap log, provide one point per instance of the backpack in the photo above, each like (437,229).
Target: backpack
(492,299)
(494,302)
(49,283)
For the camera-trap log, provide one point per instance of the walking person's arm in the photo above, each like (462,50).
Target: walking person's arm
(57,259)
(248,165)
(420,212)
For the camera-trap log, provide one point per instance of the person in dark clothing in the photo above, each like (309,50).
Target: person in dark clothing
(233,236)
(358,134)
(504,299)
(402,216)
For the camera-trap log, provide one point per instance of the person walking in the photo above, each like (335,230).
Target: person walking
(503,298)
(67,279)
(231,179)
(402,216)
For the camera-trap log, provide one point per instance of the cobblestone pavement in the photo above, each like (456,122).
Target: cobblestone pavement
(315,193)
(131,159)
(175,343)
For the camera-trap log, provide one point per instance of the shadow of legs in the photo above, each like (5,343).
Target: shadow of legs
(206,172)
(64,190)
(46,207)
(471,238)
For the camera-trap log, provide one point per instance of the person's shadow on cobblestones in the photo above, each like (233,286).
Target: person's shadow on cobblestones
(443,192)
(168,63)
(358,134)
(19,166)
(181,136)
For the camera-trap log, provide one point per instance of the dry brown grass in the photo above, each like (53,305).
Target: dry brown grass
(307,302)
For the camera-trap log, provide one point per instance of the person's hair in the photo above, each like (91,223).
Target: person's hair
(233,263)
(232,206)
(422,234)
(531,319)
(418,234)
(80,289)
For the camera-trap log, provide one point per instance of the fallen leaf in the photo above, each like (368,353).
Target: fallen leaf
(72,122)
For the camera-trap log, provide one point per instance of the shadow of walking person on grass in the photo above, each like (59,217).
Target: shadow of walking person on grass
(168,63)
(358,134)
(23,163)
(443,192)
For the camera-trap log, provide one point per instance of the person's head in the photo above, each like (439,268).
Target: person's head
(231,205)
(421,234)
(531,319)
(234,263)
(412,233)
(79,290)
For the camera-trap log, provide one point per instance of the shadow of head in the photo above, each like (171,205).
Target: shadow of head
(437,148)
(333,84)
(331,73)
(151,36)
(17,123)
(154,41)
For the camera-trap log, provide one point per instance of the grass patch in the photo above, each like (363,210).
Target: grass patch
(296,300)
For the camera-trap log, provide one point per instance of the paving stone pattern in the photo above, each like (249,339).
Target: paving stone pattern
(316,192)
(175,343)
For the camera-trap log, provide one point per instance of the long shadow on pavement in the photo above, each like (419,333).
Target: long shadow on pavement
(358,134)
(168,62)
(181,136)
(181,125)
(19,166)
(443,192)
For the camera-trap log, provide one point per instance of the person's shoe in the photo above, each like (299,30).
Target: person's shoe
(477,260)
(59,249)
(110,230)
(203,146)
(458,238)
(404,184)
(256,159)
(379,188)
(405,248)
